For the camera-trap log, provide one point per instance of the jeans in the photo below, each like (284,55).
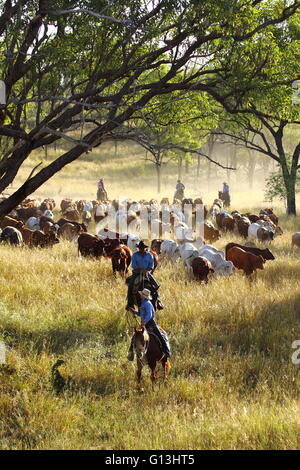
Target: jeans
(131,279)
(151,325)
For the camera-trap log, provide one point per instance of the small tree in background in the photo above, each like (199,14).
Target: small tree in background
(276,188)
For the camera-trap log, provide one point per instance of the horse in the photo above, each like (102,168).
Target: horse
(225,198)
(179,194)
(143,282)
(101,195)
(148,351)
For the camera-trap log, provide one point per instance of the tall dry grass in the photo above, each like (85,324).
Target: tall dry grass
(232,384)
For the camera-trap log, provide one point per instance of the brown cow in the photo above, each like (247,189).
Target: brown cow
(47,204)
(80,205)
(155,245)
(10,221)
(155,259)
(27,235)
(25,212)
(65,204)
(165,200)
(244,260)
(72,214)
(225,222)
(63,221)
(271,214)
(296,239)
(90,245)
(264,235)
(252,217)
(43,240)
(49,227)
(69,232)
(199,202)
(202,269)
(44,220)
(121,259)
(242,224)
(111,245)
(265,253)
(211,234)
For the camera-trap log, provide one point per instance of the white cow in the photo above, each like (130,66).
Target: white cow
(218,262)
(100,211)
(199,243)
(188,252)
(88,206)
(182,232)
(170,250)
(212,249)
(132,242)
(252,230)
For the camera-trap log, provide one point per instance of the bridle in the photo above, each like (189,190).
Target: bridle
(141,353)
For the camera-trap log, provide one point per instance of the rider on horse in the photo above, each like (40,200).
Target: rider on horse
(225,195)
(101,193)
(147,314)
(179,193)
(142,262)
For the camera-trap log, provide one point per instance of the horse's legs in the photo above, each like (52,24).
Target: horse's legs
(139,373)
(153,376)
(166,366)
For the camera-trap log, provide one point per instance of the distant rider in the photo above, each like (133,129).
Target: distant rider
(180,186)
(147,314)
(142,262)
(101,190)
(226,195)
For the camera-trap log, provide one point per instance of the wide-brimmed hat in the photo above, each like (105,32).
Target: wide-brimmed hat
(145,293)
(225,182)
(141,245)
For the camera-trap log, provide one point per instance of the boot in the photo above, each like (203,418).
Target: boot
(130,355)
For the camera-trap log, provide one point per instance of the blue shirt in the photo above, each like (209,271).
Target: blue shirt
(142,262)
(146,311)
(225,188)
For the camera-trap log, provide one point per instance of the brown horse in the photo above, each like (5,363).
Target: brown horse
(148,351)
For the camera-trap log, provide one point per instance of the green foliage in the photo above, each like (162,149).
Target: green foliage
(276,189)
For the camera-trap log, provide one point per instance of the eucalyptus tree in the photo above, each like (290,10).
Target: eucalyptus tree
(266,118)
(68,64)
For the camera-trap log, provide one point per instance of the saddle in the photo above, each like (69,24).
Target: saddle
(137,283)
(163,333)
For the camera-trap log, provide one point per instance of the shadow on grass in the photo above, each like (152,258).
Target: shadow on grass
(57,340)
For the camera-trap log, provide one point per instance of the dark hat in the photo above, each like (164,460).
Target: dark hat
(142,245)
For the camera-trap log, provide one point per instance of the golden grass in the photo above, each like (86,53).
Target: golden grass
(232,384)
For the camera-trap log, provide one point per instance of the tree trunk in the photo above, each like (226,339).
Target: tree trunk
(186,167)
(179,167)
(251,168)
(208,175)
(158,173)
(290,185)
(198,166)
(210,145)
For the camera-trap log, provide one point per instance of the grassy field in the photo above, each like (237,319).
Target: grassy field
(232,383)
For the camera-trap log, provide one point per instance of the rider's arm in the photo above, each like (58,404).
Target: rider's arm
(134,264)
(150,265)
(146,312)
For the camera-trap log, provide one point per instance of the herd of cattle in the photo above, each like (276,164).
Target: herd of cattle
(32,224)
